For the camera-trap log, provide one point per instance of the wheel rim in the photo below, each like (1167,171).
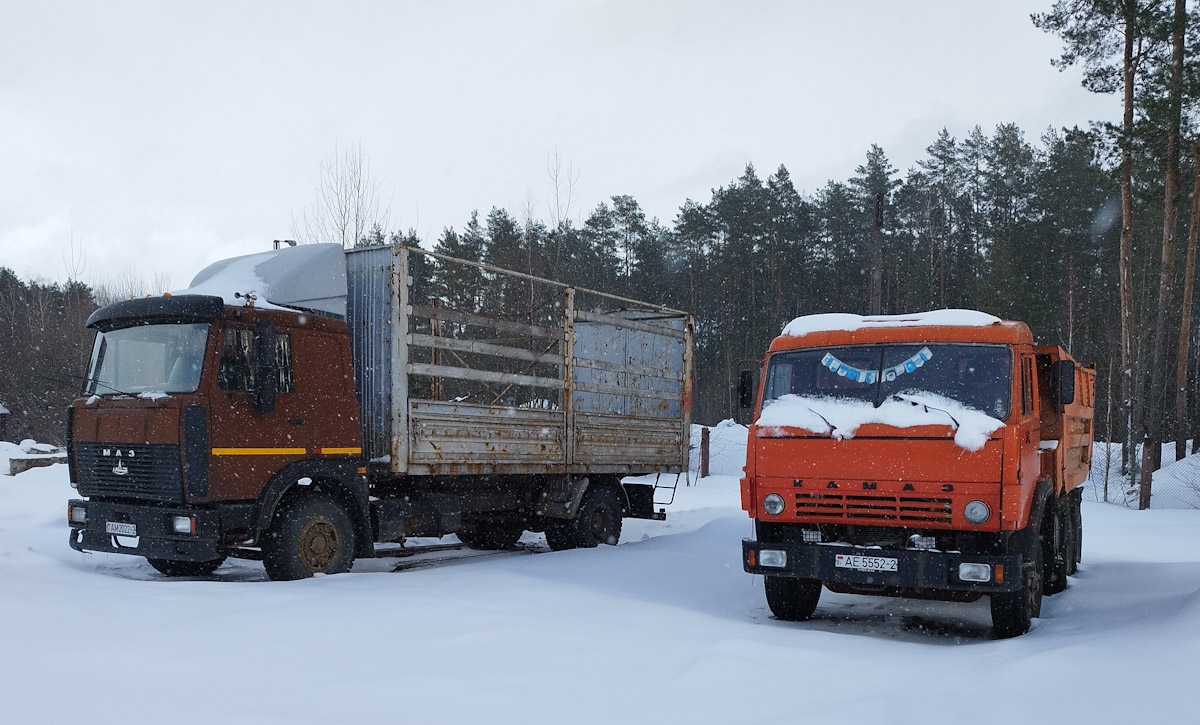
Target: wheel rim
(319,545)
(599,524)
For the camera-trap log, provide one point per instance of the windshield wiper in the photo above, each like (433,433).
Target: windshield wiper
(831,426)
(96,382)
(916,401)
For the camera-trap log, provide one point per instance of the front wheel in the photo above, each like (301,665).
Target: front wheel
(792,599)
(169,567)
(598,521)
(1012,612)
(310,534)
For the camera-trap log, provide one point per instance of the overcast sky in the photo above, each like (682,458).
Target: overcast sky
(161,136)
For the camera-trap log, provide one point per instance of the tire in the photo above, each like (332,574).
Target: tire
(491,534)
(310,534)
(169,567)
(792,599)
(598,521)
(1054,538)
(1077,513)
(1013,611)
(1071,545)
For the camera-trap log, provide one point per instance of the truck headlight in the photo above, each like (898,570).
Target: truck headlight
(977,512)
(975,572)
(76,514)
(773,504)
(773,558)
(183,524)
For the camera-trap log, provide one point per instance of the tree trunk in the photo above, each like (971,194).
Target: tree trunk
(1125,259)
(1185,326)
(877,257)
(1166,278)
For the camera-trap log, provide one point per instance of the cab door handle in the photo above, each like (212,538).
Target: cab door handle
(296,421)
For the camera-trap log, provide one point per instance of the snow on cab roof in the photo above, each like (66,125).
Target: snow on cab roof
(846,322)
(310,276)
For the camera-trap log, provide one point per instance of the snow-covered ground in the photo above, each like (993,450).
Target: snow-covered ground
(664,628)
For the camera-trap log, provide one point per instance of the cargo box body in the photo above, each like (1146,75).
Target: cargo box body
(504,373)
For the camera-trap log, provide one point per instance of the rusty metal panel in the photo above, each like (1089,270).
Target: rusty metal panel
(376,286)
(463,368)
(650,444)
(638,352)
(465,433)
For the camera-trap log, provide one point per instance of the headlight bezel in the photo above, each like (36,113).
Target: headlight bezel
(773,504)
(977,512)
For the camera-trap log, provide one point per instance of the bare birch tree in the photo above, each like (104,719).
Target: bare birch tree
(347,204)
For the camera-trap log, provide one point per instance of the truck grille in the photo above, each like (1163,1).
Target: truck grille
(878,507)
(143,472)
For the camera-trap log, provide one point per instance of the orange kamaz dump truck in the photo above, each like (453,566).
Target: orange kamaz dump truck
(936,455)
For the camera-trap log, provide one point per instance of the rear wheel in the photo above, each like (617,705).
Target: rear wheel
(169,567)
(1055,538)
(1071,534)
(491,534)
(792,599)
(310,534)
(1076,554)
(1013,611)
(598,521)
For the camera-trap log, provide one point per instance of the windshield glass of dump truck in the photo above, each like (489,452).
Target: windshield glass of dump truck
(147,359)
(977,376)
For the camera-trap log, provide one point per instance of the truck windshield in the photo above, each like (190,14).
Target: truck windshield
(977,376)
(147,359)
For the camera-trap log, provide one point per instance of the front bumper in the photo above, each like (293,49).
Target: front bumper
(155,537)
(916,569)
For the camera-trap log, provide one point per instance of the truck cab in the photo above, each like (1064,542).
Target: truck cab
(920,456)
(193,411)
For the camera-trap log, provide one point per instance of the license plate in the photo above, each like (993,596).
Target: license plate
(866,563)
(120,529)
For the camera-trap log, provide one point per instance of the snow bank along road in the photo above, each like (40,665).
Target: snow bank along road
(664,628)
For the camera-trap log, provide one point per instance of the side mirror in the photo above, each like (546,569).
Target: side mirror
(266,369)
(745,396)
(1062,382)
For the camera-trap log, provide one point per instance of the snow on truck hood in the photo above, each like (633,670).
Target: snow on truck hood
(845,322)
(840,419)
(308,276)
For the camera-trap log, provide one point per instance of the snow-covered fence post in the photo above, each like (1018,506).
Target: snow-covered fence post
(704,451)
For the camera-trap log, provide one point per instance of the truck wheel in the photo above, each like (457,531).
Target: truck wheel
(1054,547)
(168,567)
(310,534)
(1012,611)
(1075,550)
(491,534)
(598,521)
(792,599)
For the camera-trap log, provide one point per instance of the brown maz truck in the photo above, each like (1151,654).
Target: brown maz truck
(309,405)
(936,455)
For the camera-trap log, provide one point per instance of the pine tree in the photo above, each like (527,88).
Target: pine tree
(874,187)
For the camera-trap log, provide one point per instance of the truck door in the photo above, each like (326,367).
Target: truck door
(248,443)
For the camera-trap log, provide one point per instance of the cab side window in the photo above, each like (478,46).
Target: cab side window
(237,370)
(1026,385)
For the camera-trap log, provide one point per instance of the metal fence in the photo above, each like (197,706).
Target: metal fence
(1176,485)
